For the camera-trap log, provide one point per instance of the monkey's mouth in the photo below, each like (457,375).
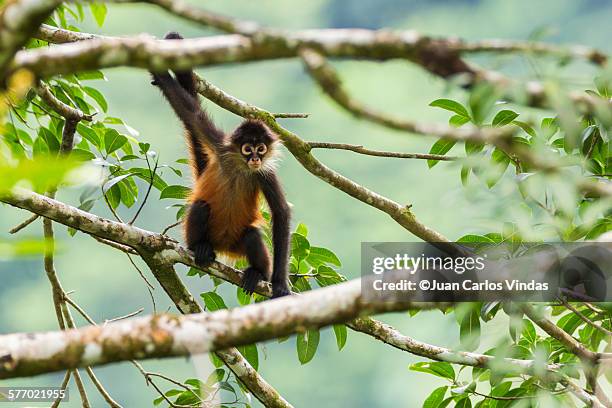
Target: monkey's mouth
(254,165)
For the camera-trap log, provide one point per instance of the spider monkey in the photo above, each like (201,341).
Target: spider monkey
(230,172)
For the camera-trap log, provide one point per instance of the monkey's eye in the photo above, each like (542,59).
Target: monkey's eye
(247,149)
(262,148)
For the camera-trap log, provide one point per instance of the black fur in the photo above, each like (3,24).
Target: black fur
(200,128)
(197,238)
(281,217)
(257,255)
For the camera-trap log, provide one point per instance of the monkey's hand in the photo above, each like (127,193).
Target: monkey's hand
(250,279)
(204,254)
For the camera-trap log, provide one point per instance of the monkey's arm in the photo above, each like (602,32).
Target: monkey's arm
(281,215)
(188,109)
(185,78)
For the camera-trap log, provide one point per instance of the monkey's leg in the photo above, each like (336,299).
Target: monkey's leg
(258,257)
(196,228)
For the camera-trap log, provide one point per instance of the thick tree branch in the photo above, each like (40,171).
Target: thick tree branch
(435,55)
(19,20)
(162,336)
(60,107)
(330,83)
(174,253)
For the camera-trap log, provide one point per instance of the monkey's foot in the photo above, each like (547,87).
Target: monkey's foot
(280,291)
(250,279)
(204,254)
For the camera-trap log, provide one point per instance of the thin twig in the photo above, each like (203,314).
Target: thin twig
(144,201)
(122,248)
(81,387)
(78,308)
(63,386)
(584,318)
(24,224)
(291,115)
(127,316)
(362,150)
(169,227)
(142,275)
(149,381)
(149,286)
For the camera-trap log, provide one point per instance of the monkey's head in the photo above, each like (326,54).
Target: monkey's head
(255,142)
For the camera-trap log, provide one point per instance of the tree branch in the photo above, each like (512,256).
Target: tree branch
(19,20)
(330,83)
(174,253)
(362,150)
(563,337)
(60,107)
(162,336)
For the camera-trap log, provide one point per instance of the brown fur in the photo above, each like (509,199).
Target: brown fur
(234,205)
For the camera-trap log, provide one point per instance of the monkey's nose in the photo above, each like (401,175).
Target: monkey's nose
(256,160)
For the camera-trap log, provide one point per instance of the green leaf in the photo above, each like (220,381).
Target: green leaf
(82,155)
(601,227)
(504,117)
(110,183)
(242,296)
(469,328)
(113,141)
(307,344)
(340,332)
(452,106)
(465,173)
(438,368)
(146,175)
(320,256)
(98,10)
(113,195)
(50,139)
(473,147)
(435,398)
(90,75)
(327,276)
(251,354)
(526,127)
(300,247)
(529,331)
(472,238)
(464,403)
(481,101)
(458,120)
(302,229)
(440,147)
(129,192)
(89,134)
(175,191)
(96,96)
(213,301)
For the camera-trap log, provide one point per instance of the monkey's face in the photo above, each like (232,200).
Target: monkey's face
(254,145)
(254,155)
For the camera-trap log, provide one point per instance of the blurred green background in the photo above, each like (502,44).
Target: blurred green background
(366,373)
